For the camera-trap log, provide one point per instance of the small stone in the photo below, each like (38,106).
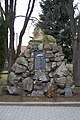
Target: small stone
(13,78)
(27,53)
(48,66)
(49,55)
(61,81)
(60,91)
(38,87)
(52,81)
(69,81)
(55,48)
(38,83)
(61,70)
(32,54)
(58,54)
(34,47)
(31,60)
(40,46)
(45,86)
(42,76)
(37,93)
(54,65)
(49,52)
(51,74)
(62,57)
(70,68)
(59,63)
(35,77)
(32,72)
(60,49)
(13,90)
(22,61)
(26,74)
(58,57)
(47,47)
(47,59)
(52,59)
(18,68)
(27,84)
(68,91)
(31,66)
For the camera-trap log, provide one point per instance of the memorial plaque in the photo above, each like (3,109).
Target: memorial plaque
(68,91)
(40,60)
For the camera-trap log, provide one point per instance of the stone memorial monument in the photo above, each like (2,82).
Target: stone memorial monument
(40,67)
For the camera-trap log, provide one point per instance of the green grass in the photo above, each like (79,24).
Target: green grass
(3,84)
(3,79)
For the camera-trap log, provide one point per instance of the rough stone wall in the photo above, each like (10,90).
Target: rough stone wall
(25,80)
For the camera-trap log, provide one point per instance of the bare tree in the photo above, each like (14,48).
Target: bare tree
(11,51)
(75,34)
(10,15)
(27,18)
(6,17)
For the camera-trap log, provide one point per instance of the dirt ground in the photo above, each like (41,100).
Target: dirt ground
(57,98)
(12,98)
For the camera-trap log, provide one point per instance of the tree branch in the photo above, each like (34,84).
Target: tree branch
(27,18)
(15,8)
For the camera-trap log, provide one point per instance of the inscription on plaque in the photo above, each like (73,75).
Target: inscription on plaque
(40,60)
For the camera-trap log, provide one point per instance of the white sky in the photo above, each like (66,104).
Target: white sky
(19,21)
(21,10)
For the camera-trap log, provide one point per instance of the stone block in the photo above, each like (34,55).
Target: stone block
(54,64)
(48,66)
(37,93)
(13,78)
(47,47)
(18,68)
(61,70)
(22,61)
(61,81)
(27,53)
(40,46)
(26,74)
(68,91)
(27,84)
(31,66)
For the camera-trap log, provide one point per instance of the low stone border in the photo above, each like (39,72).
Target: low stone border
(66,104)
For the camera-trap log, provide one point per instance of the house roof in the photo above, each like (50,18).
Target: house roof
(23,48)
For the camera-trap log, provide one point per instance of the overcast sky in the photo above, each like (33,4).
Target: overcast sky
(21,10)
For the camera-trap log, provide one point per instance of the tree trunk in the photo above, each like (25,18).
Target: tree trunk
(75,44)
(77,59)
(6,17)
(11,52)
(27,18)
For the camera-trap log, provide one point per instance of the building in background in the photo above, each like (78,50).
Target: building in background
(23,48)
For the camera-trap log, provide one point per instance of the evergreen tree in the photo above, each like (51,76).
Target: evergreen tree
(54,20)
(2,43)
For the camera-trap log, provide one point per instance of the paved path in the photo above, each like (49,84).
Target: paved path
(24,112)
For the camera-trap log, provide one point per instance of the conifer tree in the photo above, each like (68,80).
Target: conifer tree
(54,20)
(2,43)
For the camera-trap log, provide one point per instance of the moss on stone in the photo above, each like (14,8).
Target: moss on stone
(40,37)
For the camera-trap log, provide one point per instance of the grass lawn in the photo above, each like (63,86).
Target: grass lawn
(3,83)
(3,79)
